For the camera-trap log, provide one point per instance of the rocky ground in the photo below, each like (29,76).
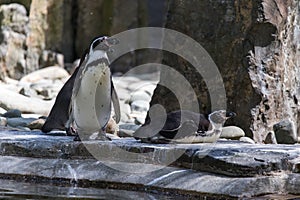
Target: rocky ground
(27,102)
(235,166)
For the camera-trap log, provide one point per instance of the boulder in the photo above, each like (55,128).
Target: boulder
(13,100)
(46,33)
(12,113)
(36,124)
(19,122)
(247,140)
(3,121)
(50,73)
(232,132)
(270,138)
(13,30)
(140,106)
(285,132)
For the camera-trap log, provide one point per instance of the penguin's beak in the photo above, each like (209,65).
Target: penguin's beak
(230,114)
(111,41)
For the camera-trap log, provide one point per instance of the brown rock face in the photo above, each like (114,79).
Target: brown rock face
(255,45)
(45,31)
(13,29)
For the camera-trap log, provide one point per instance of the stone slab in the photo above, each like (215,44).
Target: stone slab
(231,158)
(92,173)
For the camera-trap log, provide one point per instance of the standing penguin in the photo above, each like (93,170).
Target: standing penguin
(93,91)
(59,113)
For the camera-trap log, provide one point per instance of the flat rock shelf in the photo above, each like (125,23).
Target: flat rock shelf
(223,170)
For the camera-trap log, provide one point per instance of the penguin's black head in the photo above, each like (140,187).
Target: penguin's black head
(102,43)
(99,43)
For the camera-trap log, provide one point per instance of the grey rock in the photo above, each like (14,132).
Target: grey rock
(12,113)
(232,132)
(36,124)
(3,121)
(123,94)
(125,118)
(128,126)
(47,89)
(125,133)
(127,130)
(48,73)
(15,17)
(247,140)
(28,92)
(13,100)
(140,95)
(19,122)
(285,132)
(125,108)
(13,32)
(149,88)
(46,19)
(140,106)
(270,138)
(139,117)
(51,58)
(2,111)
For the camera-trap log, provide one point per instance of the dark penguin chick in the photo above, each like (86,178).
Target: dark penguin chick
(173,122)
(188,130)
(175,119)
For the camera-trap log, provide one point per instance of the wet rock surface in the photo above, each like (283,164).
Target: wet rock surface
(227,168)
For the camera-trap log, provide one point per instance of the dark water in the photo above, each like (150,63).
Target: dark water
(10,189)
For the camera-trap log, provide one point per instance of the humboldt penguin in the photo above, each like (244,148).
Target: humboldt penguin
(93,92)
(59,113)
(186,127)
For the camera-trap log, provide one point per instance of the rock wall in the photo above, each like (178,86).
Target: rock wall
(57,28)
(274,69)
(13,30)
(256,51)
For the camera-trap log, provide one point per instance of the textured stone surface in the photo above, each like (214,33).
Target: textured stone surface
(19,122)
(225,157)
(46,29)
(232,132)
(256,52)
(285,132)
(12,113)
(274,72)
(13,100)
(13,30)
(28,155)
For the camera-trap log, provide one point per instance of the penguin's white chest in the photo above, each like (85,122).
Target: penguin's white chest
(92,104)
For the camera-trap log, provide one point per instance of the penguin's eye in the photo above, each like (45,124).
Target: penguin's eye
(96,43)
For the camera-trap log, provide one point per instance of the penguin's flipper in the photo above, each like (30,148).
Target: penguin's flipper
(116,103)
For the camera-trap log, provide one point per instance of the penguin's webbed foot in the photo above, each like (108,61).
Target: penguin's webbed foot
(77,138)
(70,131)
